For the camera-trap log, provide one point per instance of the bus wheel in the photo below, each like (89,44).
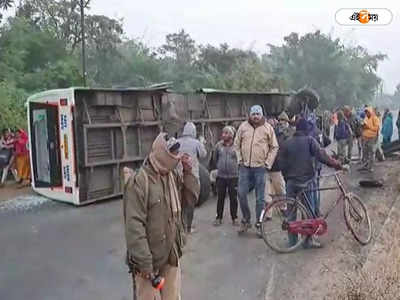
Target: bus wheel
(205,185)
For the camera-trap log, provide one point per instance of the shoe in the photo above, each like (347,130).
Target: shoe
(258,229)
(244,227)
(313,242)
(191,230)
(217,222)
(235,222)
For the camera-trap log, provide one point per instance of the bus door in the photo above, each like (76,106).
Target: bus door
(45,146)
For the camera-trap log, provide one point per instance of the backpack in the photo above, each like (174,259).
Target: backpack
(356,126)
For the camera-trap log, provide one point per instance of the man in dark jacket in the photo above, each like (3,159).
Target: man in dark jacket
(297,163)
(153,225)
(275,183)
(342,134)
(355,127)
(224,159)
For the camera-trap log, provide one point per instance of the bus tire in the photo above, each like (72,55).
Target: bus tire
(205,185)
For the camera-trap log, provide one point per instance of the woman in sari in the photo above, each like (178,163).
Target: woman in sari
(22,158)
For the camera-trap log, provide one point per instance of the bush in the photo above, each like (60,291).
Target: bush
(12,108)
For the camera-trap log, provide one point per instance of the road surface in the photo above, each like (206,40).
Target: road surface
(52,251)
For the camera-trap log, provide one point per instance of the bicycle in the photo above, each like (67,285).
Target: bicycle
(286,216)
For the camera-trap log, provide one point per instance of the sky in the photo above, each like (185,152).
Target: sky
(253,24)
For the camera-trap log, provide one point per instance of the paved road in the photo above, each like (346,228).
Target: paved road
(51,250)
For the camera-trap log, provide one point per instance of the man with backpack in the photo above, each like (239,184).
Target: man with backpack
(153,224)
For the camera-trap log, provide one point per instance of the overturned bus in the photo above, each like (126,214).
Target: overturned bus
(82,138)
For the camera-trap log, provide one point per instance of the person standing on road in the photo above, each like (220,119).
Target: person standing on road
(224,159)
(196,149)
(22,158)
(275,183)
(256,147)
(370,136)
(342,134)
(153,221)
(7,145)
(326,123)
(387,129)
(298,168)
(354,126)
(378,148)
(398,124)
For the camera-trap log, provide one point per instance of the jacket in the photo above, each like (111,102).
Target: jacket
(342,131)
(298,155)
(224,159)
(154,235)
(282,134)
(371,126)
(387,128)
(256,146)
(192,146)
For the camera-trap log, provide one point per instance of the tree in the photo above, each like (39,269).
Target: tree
(340,75)
(179,46)
(33,59)
(63,19)
(5,5)
(397,91)
(223,59)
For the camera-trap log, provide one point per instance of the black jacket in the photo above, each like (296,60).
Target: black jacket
(297,157)
(282,134)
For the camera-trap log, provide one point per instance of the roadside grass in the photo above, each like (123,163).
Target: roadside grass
(380,276)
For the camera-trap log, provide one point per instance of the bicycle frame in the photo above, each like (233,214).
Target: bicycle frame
(302,196)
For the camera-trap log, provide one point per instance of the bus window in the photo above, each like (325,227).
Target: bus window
(45,145)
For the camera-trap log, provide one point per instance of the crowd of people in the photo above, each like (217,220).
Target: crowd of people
(14,157)
(368,128)
(270,156)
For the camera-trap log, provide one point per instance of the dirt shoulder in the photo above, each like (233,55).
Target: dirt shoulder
(11,191)
(345,261)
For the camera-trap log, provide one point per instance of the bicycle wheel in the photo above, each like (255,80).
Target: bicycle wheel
(274,224)
(357,219)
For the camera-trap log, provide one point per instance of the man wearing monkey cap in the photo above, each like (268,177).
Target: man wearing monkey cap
(153,224)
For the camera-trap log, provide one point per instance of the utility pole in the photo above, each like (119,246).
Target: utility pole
(83,42)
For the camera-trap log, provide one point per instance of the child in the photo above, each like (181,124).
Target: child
(224,159)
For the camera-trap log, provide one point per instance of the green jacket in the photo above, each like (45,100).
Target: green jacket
(154,235)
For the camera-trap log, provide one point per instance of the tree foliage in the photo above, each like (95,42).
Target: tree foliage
(40,49)
(340,75)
